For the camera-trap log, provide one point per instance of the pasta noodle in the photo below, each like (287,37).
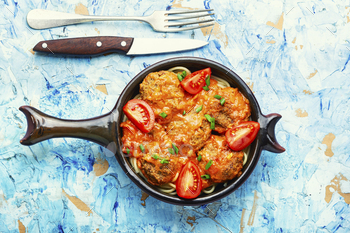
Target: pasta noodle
(221,82)
(180,69)
(209,189)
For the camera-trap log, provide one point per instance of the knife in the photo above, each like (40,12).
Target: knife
(106,44)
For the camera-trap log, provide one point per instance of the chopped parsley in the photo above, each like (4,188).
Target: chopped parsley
(171,151)
(175,148)
(205,177)
(208,164)
(219,97)
(142,148)
(208,117)
(163,114)
(207,80)
(164,161)
(206,88)
(222,101)
(181,76)
(212,123)
(211,120)
(199,109)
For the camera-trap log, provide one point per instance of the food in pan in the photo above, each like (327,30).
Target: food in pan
(186,132)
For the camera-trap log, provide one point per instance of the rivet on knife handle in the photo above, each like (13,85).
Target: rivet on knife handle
(86,45)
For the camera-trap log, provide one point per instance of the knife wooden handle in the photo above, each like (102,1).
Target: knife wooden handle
(86,45)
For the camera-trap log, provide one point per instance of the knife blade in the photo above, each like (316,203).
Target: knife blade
(106,44)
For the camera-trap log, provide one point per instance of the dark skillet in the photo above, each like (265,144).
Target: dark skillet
(105,129)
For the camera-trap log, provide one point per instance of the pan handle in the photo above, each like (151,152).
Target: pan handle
(41,127)
(268,124)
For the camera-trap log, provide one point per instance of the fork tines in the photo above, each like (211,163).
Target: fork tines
(177,23)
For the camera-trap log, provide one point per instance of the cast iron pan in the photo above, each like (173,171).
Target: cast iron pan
(105,129)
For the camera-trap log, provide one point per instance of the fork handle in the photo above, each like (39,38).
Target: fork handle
(42,19)
(86,45)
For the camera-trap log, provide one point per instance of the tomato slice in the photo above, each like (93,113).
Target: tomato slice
(195,82)
(242,135)
(189,183)
(139,113)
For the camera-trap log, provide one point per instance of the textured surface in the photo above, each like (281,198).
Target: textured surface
(293,54)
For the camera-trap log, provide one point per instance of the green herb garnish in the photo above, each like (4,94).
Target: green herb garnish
(184,113)
(175,148)
(206,88)
(171,151)
(208,117)
(207,80)
(212,123)
(142,148)
(199,109)
(127,151)
(208,164)
(222,101)
(205,177)
(163,114)
(217,97)
(164,161)
(155,156)
(179,76)
(211,120)
(199,158)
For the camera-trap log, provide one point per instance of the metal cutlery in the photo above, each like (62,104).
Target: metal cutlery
(162,21)
(106,44)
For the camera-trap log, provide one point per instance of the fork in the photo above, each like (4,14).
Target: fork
(162,21)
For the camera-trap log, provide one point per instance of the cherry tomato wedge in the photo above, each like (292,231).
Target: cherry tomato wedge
(139,113)
(189,183)
(242,135)
(194,83)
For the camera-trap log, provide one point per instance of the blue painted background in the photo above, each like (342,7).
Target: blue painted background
(293,54)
